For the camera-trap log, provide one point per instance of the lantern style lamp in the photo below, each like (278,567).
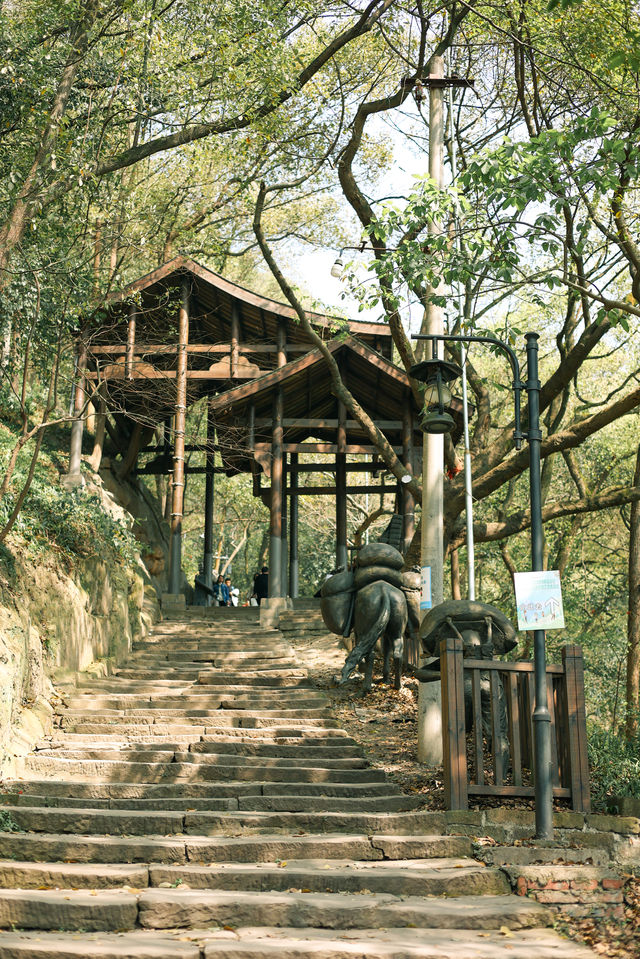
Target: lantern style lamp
(436,374)
(338,267)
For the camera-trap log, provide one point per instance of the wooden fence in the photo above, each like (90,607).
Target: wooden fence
(501,689)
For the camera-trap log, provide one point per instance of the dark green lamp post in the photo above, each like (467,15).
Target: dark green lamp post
(437,374)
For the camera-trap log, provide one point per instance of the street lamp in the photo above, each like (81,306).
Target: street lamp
(436,374)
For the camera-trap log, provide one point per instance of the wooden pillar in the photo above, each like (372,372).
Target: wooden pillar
(342,556)
(284,547)
(74,476)
(235,338)
(294,568)
(276,583)
(275,528)
(207,566)
(131,342)
(453,728)
(177,504)
(408,502)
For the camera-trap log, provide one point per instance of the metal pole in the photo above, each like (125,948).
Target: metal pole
(429,704)
(468,483)
(541,715)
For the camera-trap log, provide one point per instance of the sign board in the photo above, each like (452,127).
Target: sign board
(425,596)
(539,600)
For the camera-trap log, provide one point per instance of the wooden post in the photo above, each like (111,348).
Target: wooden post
(98,443)
(276,586)
(207,566)
(453,729)
(294,568)
(275,531)
(408,502)
(284,545)
(131,342)
(577,728)
(177,504)
(342,556)
(235,338)
(74,476)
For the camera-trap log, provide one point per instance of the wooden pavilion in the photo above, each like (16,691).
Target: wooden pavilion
(182,333)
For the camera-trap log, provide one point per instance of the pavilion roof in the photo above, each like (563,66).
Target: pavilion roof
(212,299)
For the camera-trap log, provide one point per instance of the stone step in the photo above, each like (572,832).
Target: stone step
(200,790)
(219,722)
(71,910)
(273,847)
(165,909)
(293,678)
(273,759)
(163,712)
(144,752)
(124,822)
(129,701)
(113,749)
(274,943)
(438,877)
(229,735)
(72,875)
(240,771)
(284,803)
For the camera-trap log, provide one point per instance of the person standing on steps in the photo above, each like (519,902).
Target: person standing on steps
(261,584)
(217,591)
(225,594)
(229,591)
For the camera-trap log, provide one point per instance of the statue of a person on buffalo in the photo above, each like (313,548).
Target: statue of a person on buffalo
(378,602)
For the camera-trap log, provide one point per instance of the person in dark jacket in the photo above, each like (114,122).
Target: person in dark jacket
(261,584)
(225,594)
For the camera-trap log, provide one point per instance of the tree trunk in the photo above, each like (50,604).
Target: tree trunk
(633,627)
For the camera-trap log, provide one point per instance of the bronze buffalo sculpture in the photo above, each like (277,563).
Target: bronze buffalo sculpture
(378,603)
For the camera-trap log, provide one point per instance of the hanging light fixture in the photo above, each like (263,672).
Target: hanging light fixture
(338,267)
(436,374)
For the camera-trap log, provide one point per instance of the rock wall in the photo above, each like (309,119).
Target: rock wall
(57,619)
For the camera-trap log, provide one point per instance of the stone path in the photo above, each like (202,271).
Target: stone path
(202,803)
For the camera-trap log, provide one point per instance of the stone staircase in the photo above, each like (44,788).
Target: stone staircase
(202,803)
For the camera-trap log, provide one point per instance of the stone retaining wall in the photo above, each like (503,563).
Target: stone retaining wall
(576,891)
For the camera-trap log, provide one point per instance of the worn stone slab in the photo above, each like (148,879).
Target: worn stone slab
(86,821)
(295,803)
(212,824)
(277,748)
(140,944)
(269,848)
(166,909)
(448,878)
(85,849)
(273,943)
(121,790)
(34,875)
(530,855)
(271,762)
(68,910)
(422,847)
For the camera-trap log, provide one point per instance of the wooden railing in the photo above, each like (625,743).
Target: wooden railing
(505,768)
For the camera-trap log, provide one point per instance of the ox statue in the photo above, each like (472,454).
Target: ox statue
(377,602)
